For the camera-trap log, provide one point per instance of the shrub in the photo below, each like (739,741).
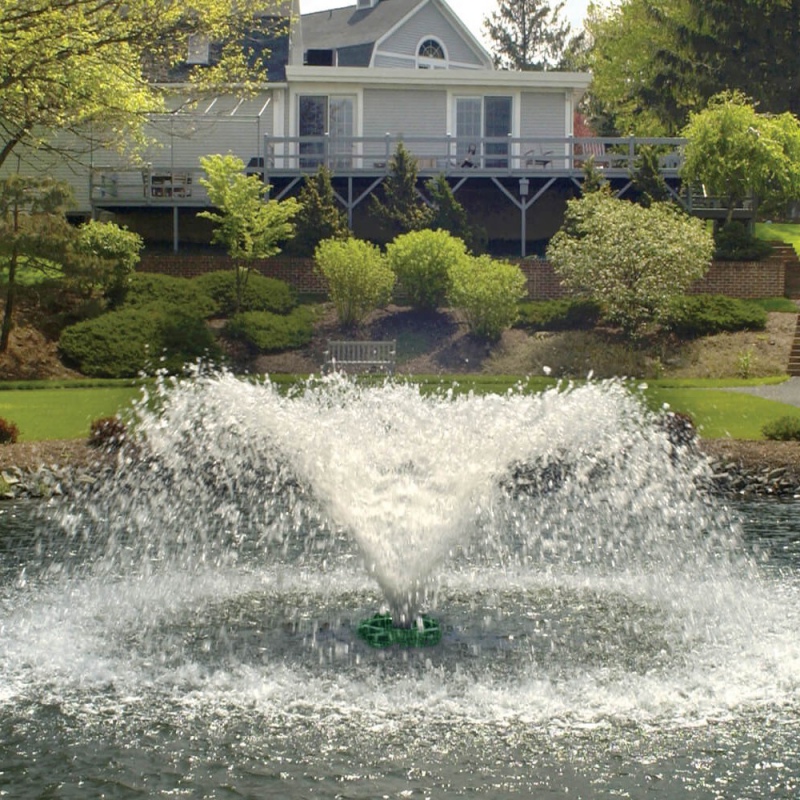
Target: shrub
(487,292)
(422,261)
(358,277)
(259,293)
(127,342)
(692,316)
(108,432)
(269,333)
(783,429)
(9,432)
(734,242)
(147,288)
(559,315)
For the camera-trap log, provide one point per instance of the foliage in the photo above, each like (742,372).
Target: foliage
(631,259)
(647,178)
(147,288)
(104,257)
(783,429)
(734,242)
(655,62)
(248,226)
(82,67)
(9,432)
(780,231)
(130,341)
(320,216)
(692,316)
(269,333)
(401,209)
(487,292)
(259,293)
(449,215)
(33,233)
(559,315)
(359,279)
(593,178)
(527,34)
(107,432)
(735,152)
(422,261)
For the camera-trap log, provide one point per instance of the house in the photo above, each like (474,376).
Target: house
(345,87)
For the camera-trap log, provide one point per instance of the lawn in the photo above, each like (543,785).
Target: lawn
(783,231)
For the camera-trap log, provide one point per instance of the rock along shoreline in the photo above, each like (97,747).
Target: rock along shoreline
(44,470)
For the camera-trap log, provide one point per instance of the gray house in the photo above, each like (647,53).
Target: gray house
(345,87)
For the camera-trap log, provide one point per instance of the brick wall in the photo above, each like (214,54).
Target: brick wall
(733,278)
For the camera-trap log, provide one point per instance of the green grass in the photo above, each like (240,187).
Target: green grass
(42,414)
(783,231)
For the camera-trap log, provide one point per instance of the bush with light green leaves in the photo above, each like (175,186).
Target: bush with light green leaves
(422,261)
(359,280)
(487,292)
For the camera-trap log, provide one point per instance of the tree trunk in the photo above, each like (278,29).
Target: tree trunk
(11,291)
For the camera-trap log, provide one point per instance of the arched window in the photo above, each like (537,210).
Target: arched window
(431,54)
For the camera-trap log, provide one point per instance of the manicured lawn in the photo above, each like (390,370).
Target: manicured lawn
(67,413)
(42,414)
(784,231)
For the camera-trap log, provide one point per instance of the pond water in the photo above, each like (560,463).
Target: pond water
(619,636)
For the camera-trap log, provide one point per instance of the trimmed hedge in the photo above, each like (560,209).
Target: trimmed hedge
(692,316)
(130,341)
(559,315)
(260,293)
(269,333)
(145,289)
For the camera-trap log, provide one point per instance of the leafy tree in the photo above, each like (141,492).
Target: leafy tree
(487,292)
(320,217)
(34,234)
(422,261)
(83,66)
(655,61)
(402,208)
(249,226)
(359,280)
(449,215)
(735,152)
(647,178)
(104,256)
(633,260)
(527,34)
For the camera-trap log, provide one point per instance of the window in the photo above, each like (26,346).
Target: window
(321,115)
(431,54)
(479,119)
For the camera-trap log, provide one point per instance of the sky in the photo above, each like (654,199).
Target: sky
(471,12)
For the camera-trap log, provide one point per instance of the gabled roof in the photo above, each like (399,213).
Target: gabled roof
(349,27)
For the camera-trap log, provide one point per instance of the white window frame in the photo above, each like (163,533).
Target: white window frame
(426,62)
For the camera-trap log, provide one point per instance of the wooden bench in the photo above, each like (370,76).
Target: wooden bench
(361,355)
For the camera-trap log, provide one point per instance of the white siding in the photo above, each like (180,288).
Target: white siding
(429,22)
(394,62)
(543,114)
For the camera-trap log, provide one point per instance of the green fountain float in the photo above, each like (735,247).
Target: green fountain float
(378,631)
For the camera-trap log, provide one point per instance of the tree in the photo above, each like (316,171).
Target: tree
(90,68)
(34,234)
(320,216)
(104,256)
(647,178)
(359,280)
(527,34)
(402,208)
(655,61)
(632,259)
(735,152)
(247,225)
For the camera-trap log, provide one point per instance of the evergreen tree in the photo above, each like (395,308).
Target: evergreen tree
(450,215)
(401,208)
(320,216)
(527,34)
(648,180)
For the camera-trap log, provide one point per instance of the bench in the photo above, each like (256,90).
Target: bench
(361,355)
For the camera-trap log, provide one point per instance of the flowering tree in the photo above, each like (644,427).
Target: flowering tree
(632,259)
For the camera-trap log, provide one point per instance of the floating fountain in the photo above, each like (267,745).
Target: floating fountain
(202,622)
